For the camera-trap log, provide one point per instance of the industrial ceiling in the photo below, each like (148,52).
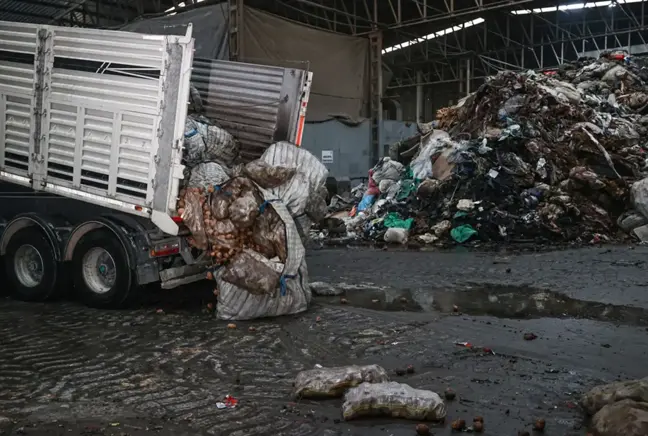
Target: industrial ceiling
(433,41)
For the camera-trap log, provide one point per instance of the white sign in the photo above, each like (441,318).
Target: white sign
(327,156)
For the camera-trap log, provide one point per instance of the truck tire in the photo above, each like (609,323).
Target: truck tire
(31,267)
(102,278)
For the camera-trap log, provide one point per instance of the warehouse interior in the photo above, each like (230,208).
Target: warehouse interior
(379,64)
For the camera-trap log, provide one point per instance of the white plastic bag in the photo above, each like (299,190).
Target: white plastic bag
(421,165)
(396,236)
(639,196)
(207,174)
(293,294)
(394,400)
(300,193)
(334,382)
(387,169)
(206,142)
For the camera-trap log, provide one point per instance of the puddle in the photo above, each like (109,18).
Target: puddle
(513,302)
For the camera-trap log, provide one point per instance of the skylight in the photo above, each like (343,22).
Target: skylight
(440,33)
(575,6)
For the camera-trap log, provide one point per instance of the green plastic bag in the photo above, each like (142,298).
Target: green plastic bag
(394,221)
(462,233)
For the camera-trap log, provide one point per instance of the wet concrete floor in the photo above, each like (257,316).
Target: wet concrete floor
(501,301)
(62,364)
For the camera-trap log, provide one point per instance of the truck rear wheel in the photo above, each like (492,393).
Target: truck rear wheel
(102,278)
(31,267)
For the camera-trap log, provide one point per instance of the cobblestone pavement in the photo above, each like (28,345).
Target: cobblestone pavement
(66,369)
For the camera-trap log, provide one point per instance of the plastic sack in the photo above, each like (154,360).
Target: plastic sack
(207,175)
(366,202)
(310,176)
(396,236)
(267,176)
(334,382)
(222,236)
(293,294)
(204,141)
(252,272)
(395,400)
(262,236)
(393,220)
(278,237)
(195,100)
(421,165)
(385,184)
(639,196)
(387,169)
(316,209)
(192,216)
(219,204)
(462,233)
(244,210)
(269,234)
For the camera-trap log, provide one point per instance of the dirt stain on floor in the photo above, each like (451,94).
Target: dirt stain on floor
(502,301)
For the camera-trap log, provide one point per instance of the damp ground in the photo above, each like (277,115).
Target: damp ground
(482,299)
(67,369)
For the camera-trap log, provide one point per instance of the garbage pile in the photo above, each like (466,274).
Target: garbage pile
(529,157)
(248,219)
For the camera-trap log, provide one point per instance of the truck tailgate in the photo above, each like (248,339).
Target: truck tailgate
(258,104)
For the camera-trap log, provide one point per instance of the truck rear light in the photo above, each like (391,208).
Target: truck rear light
(164,249)
(177,219)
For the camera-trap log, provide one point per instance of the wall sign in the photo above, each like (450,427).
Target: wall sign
(327,156)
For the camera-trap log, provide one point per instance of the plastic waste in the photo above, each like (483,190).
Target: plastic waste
(334,382)
(244,210)
(267,176)
(293,295)
(192,215)
(639,196)
(393,220)
(301,189)
(463,233)
(254,273)
(396,236)
(208,174)
(387,169)
(366,202)
(421,165)
(205,142)
(395,400)
(630,220)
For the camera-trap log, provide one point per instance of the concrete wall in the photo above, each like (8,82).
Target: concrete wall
(350,144)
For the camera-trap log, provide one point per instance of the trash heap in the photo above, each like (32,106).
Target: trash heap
(529,157)
(248,219)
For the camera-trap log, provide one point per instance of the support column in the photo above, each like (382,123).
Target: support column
(468,72)
(375,59)
(235,29)
(419,97)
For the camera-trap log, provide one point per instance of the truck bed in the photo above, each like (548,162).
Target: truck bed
(99,116)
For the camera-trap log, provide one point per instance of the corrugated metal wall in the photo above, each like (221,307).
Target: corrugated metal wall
(257,104)
(350,145)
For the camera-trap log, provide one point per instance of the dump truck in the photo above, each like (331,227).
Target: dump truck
(92,125)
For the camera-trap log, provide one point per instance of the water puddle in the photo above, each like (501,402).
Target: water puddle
(513,302)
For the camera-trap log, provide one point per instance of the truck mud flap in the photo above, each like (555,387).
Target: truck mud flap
(183,275)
